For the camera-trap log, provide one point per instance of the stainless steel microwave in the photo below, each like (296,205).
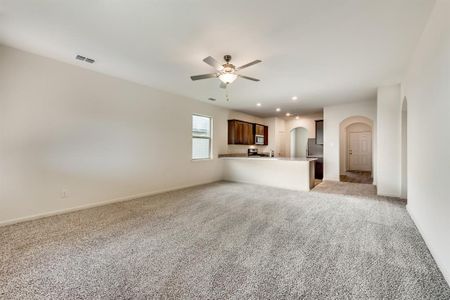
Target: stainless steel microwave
(259,140)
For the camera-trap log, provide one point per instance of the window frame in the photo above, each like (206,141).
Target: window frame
(210,138)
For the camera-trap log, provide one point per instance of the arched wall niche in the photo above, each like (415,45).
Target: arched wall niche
(298,141)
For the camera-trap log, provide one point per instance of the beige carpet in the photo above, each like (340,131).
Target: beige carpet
(223,241)
(346,188)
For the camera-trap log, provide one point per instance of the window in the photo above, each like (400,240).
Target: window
(201,137)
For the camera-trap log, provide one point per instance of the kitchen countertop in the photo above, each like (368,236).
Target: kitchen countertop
(316,156)
(233,155)
(271,158)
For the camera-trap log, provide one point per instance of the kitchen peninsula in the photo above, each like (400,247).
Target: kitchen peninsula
(282,172)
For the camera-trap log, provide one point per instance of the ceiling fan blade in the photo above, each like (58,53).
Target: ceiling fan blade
(223,85)
(204,76)
(213,63)
(249,64)
(249,78)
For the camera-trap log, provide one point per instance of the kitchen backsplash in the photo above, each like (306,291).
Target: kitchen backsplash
(244,148)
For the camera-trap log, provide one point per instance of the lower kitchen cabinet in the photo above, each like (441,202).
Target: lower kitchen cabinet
(319,168)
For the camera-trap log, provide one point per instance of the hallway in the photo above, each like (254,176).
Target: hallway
(357,177)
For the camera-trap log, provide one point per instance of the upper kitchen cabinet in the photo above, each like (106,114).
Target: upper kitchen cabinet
(240,133)
(243,133)
(259,129)
(319,132)
(266,135)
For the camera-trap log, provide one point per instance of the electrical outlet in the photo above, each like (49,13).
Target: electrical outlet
(64,193)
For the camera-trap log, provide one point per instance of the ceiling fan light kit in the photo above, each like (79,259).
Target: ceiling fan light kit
(227,78)
(226,72)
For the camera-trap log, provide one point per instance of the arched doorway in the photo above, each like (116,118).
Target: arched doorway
(404,190)
(356,150)
(299,142)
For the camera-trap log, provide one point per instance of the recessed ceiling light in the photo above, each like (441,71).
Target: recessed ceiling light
(278,109)
(288,114)
(294,98)
(258,104)
(297,117)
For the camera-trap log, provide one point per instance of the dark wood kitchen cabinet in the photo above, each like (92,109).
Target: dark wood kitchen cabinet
(318,168)
(264,131)
(249,136)
(266,135)
(243,133)
(259,129)
(240,133)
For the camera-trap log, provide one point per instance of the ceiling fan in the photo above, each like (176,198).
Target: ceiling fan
(226,72)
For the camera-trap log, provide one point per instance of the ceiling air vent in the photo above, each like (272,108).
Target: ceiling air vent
(79,57)
(84,58)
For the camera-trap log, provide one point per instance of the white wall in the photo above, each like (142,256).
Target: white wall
(427,90)
(65,129)
(278,137)
(333,116)
(389,137)
(305,121)
(299,142)
(246,117)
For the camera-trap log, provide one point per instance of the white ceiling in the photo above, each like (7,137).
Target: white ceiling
(323,51)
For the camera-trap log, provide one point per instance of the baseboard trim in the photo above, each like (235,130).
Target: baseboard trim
(388,195)
(266,185)
(96,204)
(430,248)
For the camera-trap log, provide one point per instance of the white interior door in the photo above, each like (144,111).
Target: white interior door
(360,151)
